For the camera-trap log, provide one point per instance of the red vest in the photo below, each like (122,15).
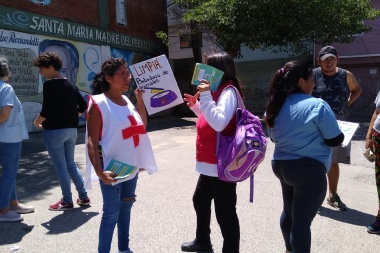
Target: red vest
(206,135)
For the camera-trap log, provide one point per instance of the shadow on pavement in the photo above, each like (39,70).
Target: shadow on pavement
(36,173)
(14,232)
(350,216)
(65,222)
(68,221)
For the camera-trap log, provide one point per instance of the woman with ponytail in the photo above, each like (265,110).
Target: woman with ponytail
(303,129)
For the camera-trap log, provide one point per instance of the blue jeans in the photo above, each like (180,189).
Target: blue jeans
(60,144)
(10,154)
(117,205)
(303,183)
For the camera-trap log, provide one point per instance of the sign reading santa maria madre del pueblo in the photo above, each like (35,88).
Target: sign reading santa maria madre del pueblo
(157,79)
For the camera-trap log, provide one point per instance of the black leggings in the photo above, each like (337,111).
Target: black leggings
(224,195)
(304,184)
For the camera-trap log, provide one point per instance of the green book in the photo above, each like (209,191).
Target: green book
(212,75)
(122,170)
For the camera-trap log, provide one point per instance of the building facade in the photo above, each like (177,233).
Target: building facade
(83,33)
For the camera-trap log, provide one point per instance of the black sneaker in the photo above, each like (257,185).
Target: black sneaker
(374,228)
(335,202)
(194,246)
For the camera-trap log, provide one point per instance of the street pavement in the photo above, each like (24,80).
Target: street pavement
(163,216)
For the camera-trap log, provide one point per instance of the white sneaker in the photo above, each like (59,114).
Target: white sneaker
(10,216)
(22,209)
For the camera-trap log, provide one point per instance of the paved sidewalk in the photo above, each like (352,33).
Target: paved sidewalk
(163,216)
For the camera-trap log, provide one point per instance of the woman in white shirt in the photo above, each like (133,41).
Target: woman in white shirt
(110,116)
(216,113)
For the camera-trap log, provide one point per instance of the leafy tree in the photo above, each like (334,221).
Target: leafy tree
(282,25)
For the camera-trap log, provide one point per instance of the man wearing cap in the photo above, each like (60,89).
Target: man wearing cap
(339,88)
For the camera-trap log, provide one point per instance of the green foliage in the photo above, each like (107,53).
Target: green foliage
(163,36)
(283,24)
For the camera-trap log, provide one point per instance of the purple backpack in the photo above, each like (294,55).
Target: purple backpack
(239,155)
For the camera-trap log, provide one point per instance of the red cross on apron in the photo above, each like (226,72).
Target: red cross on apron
(133,131)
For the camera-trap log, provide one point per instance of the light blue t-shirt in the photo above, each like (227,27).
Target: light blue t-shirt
(12,130)
(300,127)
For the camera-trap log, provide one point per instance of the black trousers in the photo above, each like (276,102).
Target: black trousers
(224,195)
(303,182)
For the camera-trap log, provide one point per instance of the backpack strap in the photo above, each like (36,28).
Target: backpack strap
(240,104)
(251,179)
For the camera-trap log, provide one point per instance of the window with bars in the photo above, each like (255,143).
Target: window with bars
(121,14)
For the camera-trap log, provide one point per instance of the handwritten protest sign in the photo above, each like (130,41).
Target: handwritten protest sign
(348,129)
(156,77)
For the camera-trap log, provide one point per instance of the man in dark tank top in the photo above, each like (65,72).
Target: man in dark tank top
(339,88)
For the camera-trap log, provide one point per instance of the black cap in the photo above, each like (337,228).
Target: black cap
(326,52)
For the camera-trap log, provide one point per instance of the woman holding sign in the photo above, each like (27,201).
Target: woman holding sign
(215,111)
(116,130)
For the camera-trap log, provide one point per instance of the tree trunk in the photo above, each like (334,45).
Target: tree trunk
(196,41)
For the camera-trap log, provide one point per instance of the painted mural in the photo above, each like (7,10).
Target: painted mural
(41,2)
(80,62)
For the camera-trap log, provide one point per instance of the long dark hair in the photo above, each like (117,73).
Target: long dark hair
(285,82)
(109,67)
(225,63)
